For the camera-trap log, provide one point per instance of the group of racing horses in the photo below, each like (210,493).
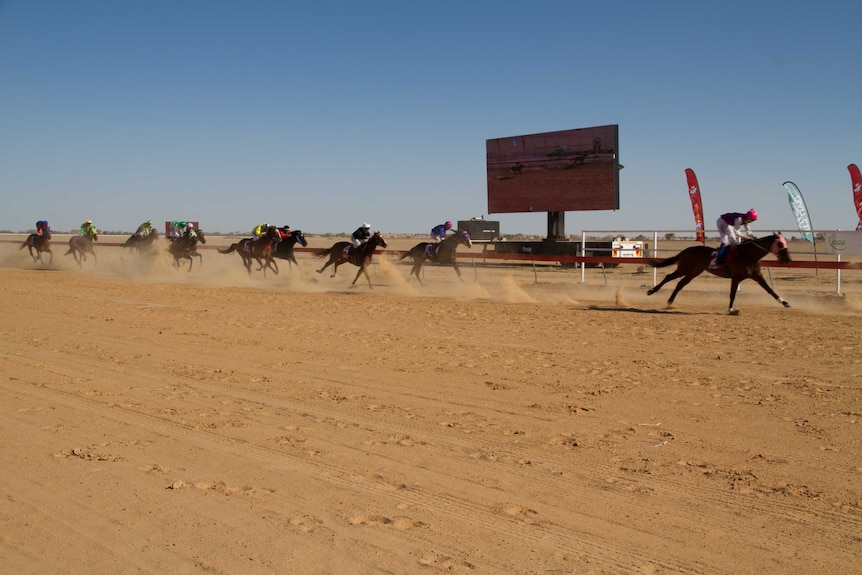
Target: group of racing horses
(743,262)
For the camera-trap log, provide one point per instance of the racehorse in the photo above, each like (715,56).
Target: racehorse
(143,244)
(442,253)
(743,263)
(284,248)
(343,252)
(185,247)
(80,246)
(39,244)
(259,249)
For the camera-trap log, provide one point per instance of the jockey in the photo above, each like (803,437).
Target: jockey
(439,232)
(42,228)
(145,229)
(283,231)
(259,230)
(361,235)
(88,228)
(190,231)
(731,227)
(178,228)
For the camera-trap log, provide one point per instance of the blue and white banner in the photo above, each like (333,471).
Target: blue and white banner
(797,204)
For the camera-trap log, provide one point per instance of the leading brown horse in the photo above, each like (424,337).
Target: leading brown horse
(39,244)
(257,249)
(442,253)
(343,252)
(743,263)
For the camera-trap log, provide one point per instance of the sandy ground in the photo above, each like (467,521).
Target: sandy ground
(156,420)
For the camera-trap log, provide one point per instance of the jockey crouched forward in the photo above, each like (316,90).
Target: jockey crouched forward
(438,234)
(361,235)
(144,229)
(731,227)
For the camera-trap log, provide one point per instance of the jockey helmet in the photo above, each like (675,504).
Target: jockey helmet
(89,221)
(190,225)
(286,227)
(751,215)
(367,226)
(448,224)
(149,222)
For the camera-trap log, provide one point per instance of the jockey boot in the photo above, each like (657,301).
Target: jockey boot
(717,259)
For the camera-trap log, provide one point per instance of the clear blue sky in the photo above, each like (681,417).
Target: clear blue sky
(322,115)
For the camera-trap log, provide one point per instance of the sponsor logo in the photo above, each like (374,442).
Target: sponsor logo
(837,244)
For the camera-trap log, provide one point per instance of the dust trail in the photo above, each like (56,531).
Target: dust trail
(511,292)
(398,284)
(620,301)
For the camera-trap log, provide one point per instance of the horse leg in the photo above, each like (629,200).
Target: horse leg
(457,270)
(326,265)
(734,285)
(681,284)
(671,276)
(273,266)
(760,280)
(335,268)
(30,249)
(417,267)
(363,270)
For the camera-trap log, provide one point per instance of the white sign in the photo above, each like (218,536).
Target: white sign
(849,243)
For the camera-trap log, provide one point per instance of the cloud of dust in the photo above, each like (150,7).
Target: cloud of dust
(391,277)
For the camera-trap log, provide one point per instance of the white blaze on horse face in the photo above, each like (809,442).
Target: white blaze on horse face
(779,244)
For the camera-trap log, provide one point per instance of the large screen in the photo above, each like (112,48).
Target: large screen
(566,171)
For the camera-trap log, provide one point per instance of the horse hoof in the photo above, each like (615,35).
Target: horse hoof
(650,292)
(785,303)
(733,312)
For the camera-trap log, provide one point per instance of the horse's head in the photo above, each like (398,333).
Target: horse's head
(464,238)
(377,238)
(779,248)
(300,239)
(201,237)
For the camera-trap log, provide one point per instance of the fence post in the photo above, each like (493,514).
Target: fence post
(583,253)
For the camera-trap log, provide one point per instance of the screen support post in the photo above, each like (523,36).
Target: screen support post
(556,226)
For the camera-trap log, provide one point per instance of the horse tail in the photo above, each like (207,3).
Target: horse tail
(664,263)
(409,253)
(230,249)
(321,253)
